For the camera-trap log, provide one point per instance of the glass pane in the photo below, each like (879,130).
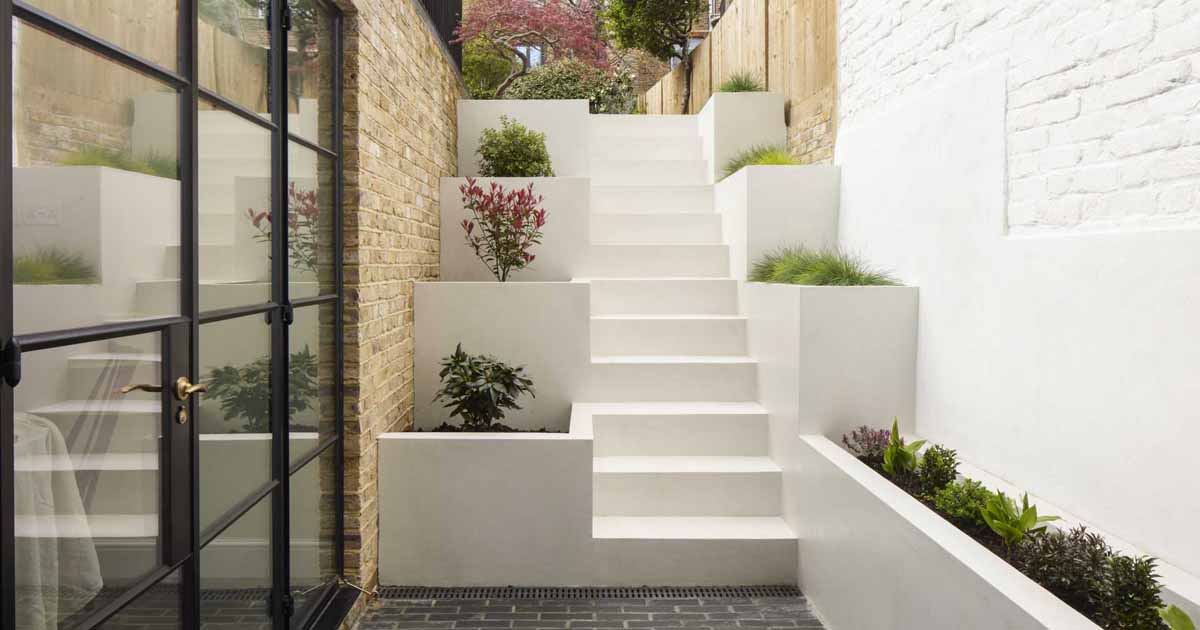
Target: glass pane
(234,417)
(86,476)
(143,27)
(310,72)
(159,608)
(234,52)
(95,189)
(313,522)
(310,224)
(235,574)
(235,207)
(312,378)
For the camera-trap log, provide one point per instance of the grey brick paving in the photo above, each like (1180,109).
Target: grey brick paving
(790,613)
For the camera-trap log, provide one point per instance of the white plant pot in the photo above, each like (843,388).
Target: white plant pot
(733,122)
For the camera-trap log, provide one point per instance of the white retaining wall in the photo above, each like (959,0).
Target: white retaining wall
(565,123)
(735,121)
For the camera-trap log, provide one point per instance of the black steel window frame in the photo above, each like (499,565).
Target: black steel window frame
(181,535)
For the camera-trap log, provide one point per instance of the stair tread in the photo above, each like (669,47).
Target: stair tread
(97,526)
(672,408)
(88,461)
(669,317)
(692,527)
(658,245)
(675,358)
(652,279)
(119,405)
(684,464)
(116,356)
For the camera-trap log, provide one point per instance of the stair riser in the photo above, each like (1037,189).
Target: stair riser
(650,261)
(625,382)
(666,297)
(666,435)
(638,562)
(606,147)
(668,337)
(218,227)
(128,432)
(639,126)
(686,494)
(696,228)
(650,173)
(651,200)
(119,491)
(100,380)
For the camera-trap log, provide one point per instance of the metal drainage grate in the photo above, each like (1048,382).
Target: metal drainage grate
(236,594)
(587,592)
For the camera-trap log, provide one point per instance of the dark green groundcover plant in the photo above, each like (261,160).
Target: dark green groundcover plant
(245,392)
(513,150)
(481,390)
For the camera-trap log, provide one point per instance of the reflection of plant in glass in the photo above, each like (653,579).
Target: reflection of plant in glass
(245,392)
(303,219)
(53,266)
(149,164)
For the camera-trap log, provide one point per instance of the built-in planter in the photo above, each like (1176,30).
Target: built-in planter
(561,256)
(565,123)
(544,326)
(764,208)
(732,122)
(874,557)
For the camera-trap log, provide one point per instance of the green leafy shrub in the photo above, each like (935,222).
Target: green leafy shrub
(513,151)
(245,391)
(480,390)
(53,266)
(606,92)
(485,68)
(901,460)
(962,503)
(764,155)
(1135,600)
(150,164)
(1073,565)
(824,267)
(1176,619)
(938,469)
(741,82)
(1011,522)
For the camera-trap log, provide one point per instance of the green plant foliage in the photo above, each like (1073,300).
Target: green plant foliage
(150,164)
(766,155)
(1135,600)
(245,391)
(742,82)
(1013,523)
(485,68)
(606,92)
(963,502)
(659,27)
(53,266)
(939,469)
(1176,619)
(479,389)
(901,460)
(823,267)
(513,151)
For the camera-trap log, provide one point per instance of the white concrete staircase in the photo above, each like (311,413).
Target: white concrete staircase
(684,491)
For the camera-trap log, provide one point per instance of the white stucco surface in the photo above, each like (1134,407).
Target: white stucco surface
(565,123)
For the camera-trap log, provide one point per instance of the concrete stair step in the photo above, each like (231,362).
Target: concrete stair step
(666,227)
(674,378)
(652,199)
(686,486)
(678,428)
(668,335)
(99,375)
(640,172)
(648,260)
(109,483)
(115,426)
(643,126)
(623,147)
(664,296)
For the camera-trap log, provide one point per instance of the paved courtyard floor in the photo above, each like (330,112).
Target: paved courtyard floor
(633,609)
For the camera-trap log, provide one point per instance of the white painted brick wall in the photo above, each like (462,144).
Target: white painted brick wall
(1103,97)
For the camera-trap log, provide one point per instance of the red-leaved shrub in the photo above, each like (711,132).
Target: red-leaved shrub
(506,225)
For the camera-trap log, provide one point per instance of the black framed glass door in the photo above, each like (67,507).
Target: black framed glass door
(170,381)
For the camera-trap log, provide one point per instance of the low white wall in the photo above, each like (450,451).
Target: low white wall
(874,557)
(544,326)
(565,123)
(764,208)
(485,509)
(565,237)
(735,121)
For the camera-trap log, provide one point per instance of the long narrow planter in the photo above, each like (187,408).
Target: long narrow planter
(874,557)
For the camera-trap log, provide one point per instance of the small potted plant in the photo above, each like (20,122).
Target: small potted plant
(504,225)
(480,390)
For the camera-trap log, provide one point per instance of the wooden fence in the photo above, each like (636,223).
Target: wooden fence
(790,46)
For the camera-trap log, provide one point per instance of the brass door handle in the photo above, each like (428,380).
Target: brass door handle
(184,388)
(153,389)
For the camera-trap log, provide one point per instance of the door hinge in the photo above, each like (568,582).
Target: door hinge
(10,363)
(288,313)
(287,18)
(289,605)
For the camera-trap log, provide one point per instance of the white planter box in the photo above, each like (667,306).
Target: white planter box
(565,123)
(764,208)
(565,242)
(733,122)
(544,326)
(485,509)
(874,557)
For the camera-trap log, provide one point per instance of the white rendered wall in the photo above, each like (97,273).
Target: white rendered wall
(1066,361)
(544,326)
(561,256)
(735,121)
(565,123)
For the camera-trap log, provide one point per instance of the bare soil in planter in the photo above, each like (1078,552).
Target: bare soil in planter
(495,428)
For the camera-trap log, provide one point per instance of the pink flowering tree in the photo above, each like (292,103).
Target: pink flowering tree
(566,28)
(504,227)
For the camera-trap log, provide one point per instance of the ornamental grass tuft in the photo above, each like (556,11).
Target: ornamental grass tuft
(817,267)
(765,155)
(742,82)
